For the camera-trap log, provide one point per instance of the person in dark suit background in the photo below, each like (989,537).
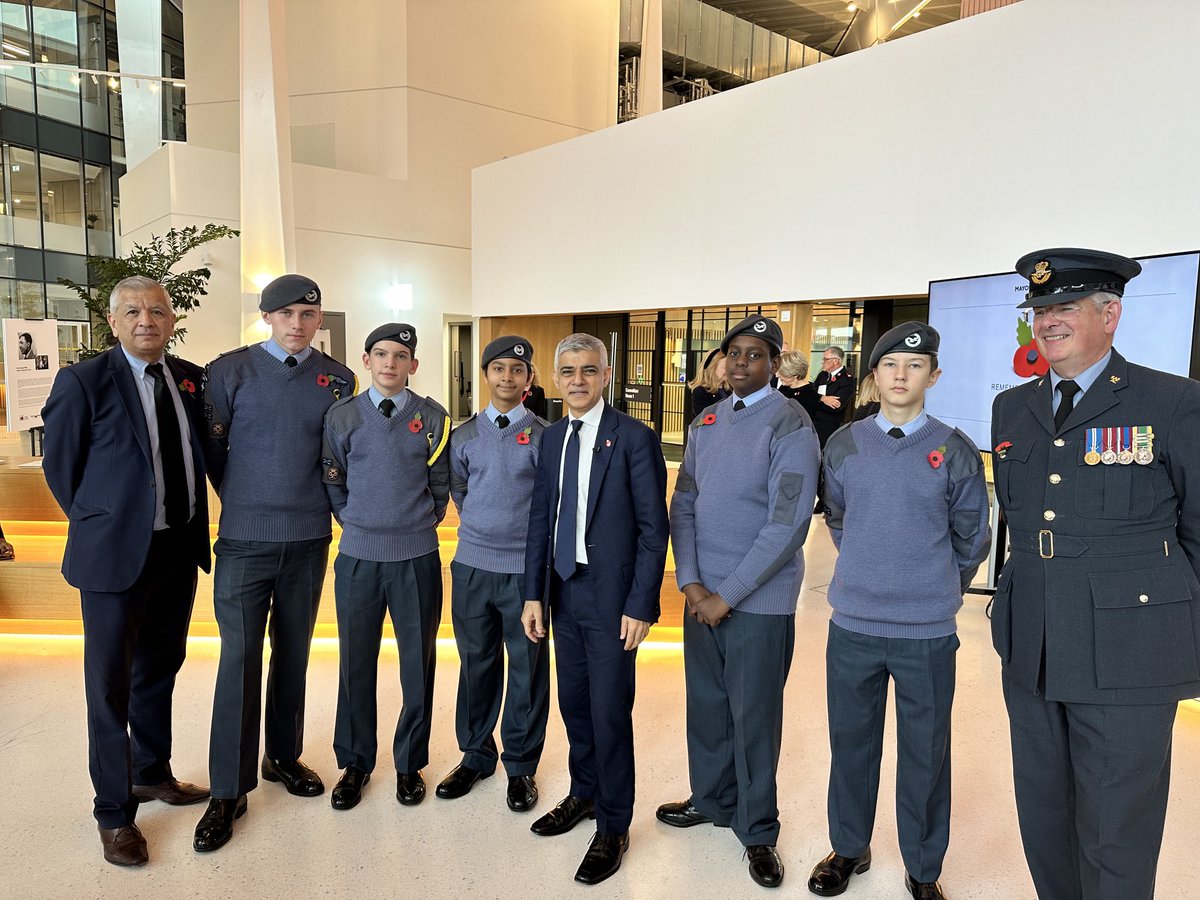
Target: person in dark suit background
(794,383)
(1096,616)
(835,386)
(595,554)
(535,396)
(123,459)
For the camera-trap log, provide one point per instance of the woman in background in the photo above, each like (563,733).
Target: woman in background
(708,388)
(793,380)
(535,397)
(868,398)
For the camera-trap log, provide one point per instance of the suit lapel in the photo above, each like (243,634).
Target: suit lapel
(1039,404)
(552,443)
(1102,395)
(122,376)
(606,440)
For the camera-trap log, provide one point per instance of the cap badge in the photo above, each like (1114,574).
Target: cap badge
(760,326)
(519,349)
(405,335)
(1041,272)
(311,296)
(913,340)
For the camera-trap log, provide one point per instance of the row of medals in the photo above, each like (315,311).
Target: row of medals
(1122,445)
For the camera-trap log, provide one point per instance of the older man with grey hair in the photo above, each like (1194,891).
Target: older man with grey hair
(123,459)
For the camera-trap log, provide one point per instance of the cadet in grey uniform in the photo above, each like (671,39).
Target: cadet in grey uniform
(1096,615)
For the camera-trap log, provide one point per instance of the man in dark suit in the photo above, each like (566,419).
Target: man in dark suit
(1097,612)
(123,460)
(595,554)
(835,390)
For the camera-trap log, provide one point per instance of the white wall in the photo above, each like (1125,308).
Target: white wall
(947,153)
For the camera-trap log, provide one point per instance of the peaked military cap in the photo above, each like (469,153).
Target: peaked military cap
(1068,273)
(759,327)
(288,289)
(399,332)
(911,337)
(508,346)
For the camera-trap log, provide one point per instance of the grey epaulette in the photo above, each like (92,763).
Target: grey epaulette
(965,461)
(840,446)
(789,418)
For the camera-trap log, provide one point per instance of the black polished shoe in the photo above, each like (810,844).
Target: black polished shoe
(923,890)
(832,874)
(681,814)
(298,778)
(522,793)
(171,791)
(603,857)
(569,813)
(348,791)
(766,868)
(459,782)
(216,825)
(124,846)
(410,788)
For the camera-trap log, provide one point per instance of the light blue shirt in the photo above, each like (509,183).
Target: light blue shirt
(145,388)
(280,354)
(762,392)
(514,415)
(400,399)
(1084,379)
(908,428)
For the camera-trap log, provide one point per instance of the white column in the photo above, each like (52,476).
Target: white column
(139,42)
(650,78)
(268,229)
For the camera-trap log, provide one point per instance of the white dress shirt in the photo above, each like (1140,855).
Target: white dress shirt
(588,447)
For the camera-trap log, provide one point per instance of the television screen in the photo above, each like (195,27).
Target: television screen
(987,343)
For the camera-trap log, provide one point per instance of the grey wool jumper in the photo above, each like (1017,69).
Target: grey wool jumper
(743,502)
(264,442)
(388,479)
(491,481)
(910,534)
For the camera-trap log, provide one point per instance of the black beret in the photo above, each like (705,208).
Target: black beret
(759,327)
(1068,273)
(509,346)
(288,289)
(911,337)
(393,331)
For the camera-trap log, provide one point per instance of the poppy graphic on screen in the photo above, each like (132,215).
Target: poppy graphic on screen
(1027,361)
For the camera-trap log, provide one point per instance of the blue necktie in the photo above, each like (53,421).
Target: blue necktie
(568,504)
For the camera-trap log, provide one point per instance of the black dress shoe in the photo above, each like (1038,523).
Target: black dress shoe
(459,782)
(298,778)
(766,868)
(348,791)
(124,846)
(410,788)
(171,791)
(216,825)
(569,813)
(923,890)
(603,857)
(522,793)
(681,814)
(832,874)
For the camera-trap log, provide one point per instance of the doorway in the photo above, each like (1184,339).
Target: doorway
(461,370)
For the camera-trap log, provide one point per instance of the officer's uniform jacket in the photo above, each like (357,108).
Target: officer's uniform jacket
(1104,564)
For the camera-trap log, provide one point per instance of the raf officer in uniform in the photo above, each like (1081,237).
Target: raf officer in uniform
(1096,615)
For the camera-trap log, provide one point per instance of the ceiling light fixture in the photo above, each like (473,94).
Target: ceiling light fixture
(851,7)
(14,48)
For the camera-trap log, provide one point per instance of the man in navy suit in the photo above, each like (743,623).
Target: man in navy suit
(595,553)
(123,460)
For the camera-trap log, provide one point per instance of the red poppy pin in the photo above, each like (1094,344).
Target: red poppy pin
(1002,448)
(187,385)
(323,380)
(937,457)
(709,419)
(523,437)
(415,425)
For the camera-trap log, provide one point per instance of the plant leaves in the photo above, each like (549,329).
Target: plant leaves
(1024,332)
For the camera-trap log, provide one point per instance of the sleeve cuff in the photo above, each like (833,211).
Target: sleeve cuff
(733,591)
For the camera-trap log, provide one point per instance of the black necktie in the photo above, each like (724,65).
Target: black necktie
(1068,389)
(502,421)
(387,406)
(170,450)
(568,504)
(897,433)
(739,406)
(291,362)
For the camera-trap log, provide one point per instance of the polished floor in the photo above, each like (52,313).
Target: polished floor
(287,847)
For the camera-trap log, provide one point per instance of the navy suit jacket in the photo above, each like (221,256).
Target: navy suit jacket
(98,466)
(626,531)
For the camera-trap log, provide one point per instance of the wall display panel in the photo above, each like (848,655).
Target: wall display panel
(987,343)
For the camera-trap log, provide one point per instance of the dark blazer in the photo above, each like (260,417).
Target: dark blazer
(626,532)
(827,420)
(98,467)
(1105,558)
